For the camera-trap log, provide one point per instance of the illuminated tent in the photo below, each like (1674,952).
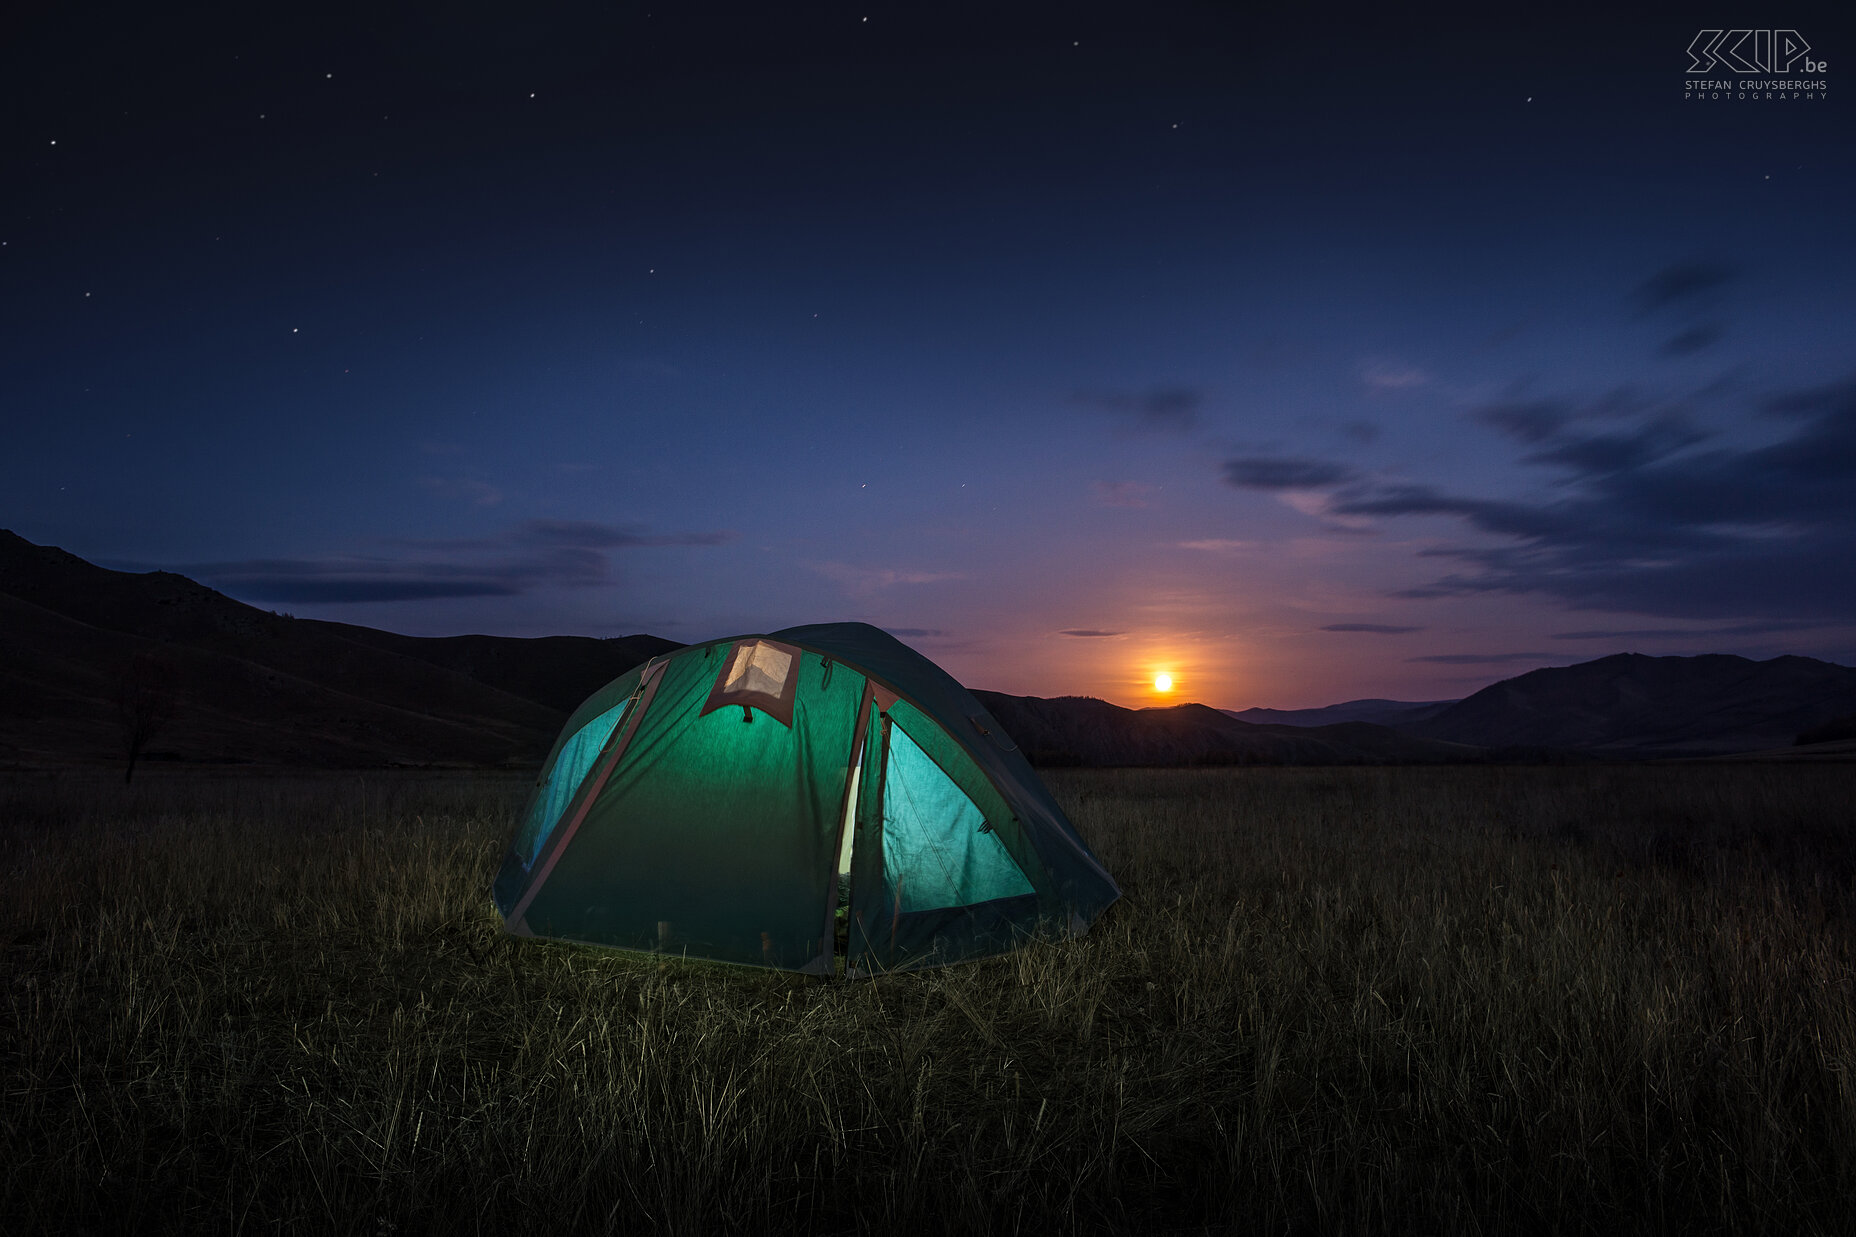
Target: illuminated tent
(706,803)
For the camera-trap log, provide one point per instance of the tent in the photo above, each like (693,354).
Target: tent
(720,800)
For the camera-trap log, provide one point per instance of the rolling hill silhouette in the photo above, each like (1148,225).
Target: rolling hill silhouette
(248,686)
(1378,712)
(259,688)
(1632,704)
(1081,730)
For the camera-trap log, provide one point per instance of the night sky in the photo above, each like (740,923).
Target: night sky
(1305,359)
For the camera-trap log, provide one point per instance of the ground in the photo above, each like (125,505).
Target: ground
(1580,999)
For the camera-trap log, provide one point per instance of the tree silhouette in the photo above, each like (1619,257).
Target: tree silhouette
(147,695)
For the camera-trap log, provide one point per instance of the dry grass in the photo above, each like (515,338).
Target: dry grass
(1467,1000)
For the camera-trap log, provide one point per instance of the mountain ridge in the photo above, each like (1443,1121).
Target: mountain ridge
(251,686)
(1634,703)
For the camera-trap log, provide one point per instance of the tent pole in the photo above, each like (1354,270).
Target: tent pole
(846,807)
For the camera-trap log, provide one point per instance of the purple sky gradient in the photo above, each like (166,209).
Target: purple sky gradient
(1384,357)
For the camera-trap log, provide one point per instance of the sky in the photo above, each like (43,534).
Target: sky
(1301,358)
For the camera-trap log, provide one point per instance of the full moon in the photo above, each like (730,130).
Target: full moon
(1163,682)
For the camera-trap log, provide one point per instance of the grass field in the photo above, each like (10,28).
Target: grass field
(1456,1000)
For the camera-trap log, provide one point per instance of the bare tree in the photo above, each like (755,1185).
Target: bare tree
(147,695)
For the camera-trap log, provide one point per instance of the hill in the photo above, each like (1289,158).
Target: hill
(262,688)
(1081,730)
(1631,704)
(247,686)
(1378,712)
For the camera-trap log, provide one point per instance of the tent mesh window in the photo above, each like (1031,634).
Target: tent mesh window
(938,849)
(557,789)
(757,674)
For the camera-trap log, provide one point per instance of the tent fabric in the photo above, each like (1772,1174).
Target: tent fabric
(718,833)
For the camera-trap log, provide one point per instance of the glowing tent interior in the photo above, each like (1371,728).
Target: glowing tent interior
(783,800)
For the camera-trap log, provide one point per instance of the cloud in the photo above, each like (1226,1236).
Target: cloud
(339,579)
(301,589)
(1483,659)
(1600,454)
(1087,633)
(1361,431)
(1262,472)
(1682,283)
(463,489)
(1772,627)
(1534,421)
(1392,376)
(1383,629)
(1163,410)
(863,581)
(1693,340)
(1644,521)
(1121,493)
(1218,545)
(534,554)
(586,533)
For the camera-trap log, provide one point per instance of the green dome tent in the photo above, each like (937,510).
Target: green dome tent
(709,802)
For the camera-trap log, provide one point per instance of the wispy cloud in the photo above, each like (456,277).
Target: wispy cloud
(1270,472)
(535,554)
(1163,410)
(343,578)
(1381,629)
(1693,339)
(863,581)
(1773,627)
(1218,545)
(1120,493)
(1088,633)
(591,535)
(1681,283)
(1652,517)
(1393,376)
(463,489)
(1485,659)
(1687,292)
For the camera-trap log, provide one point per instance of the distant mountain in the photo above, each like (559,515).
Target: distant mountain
(1378,712)
(247,686)
(1081,730)
(1630,704)
(255,687)
(556,671)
